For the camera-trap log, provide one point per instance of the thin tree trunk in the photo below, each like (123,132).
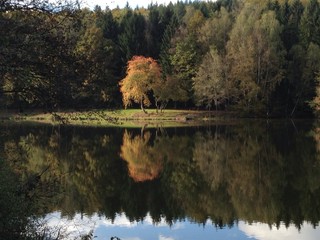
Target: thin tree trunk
(157,106)
(295,106)
(142,108)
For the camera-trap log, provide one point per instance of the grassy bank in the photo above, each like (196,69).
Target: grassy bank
(125,118)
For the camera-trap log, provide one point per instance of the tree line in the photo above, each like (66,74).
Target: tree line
(257,58)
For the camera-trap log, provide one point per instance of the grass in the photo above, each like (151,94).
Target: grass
(120,117)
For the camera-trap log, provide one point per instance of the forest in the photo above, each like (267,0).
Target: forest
(257,58)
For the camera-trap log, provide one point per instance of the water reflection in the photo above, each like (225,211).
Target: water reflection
(262,173)
(184,229)
(263,231)
(144,161)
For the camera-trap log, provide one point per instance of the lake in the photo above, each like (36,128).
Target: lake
(254,179)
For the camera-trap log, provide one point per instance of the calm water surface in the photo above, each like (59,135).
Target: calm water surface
(257,180)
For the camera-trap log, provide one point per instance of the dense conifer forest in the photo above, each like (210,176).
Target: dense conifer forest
(260,58)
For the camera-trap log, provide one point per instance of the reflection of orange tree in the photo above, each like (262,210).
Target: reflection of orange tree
(144,161)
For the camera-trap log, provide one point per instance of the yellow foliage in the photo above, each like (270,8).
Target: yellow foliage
(143,161)
(142,74)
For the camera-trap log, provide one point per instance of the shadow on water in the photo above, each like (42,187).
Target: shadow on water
(256,171)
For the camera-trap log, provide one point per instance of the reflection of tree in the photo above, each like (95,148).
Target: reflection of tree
(144,161)
(255,172)
(211,153)
(29,163)
(263,183)
(75,167)
(316,135)
(93,174)
(13,220)
(254,175)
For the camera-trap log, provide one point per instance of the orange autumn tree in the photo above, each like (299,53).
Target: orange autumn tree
(142,75)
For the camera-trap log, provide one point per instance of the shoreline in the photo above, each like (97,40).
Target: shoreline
(118,118)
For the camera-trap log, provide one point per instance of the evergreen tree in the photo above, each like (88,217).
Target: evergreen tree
(310,24)
(132,35)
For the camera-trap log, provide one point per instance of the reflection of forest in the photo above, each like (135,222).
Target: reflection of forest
(254,172)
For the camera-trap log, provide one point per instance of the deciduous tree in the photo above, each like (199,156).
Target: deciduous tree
(142,74)
(255,54)
(215,31)
(210,85)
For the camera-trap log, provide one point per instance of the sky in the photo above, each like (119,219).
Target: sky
(121,3)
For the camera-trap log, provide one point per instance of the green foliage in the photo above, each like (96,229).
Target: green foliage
(311,68)
(166,46)
(60,56)
(256,55)
(97,54)
(215,31)
(132,39)
(315,103)
(310,24)
(36,58)
(184,60)
(210,85)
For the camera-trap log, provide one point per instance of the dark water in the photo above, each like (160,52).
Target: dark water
(255,179)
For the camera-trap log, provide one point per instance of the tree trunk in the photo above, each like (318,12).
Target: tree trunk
(294,108)
(142,108)
(157,106)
